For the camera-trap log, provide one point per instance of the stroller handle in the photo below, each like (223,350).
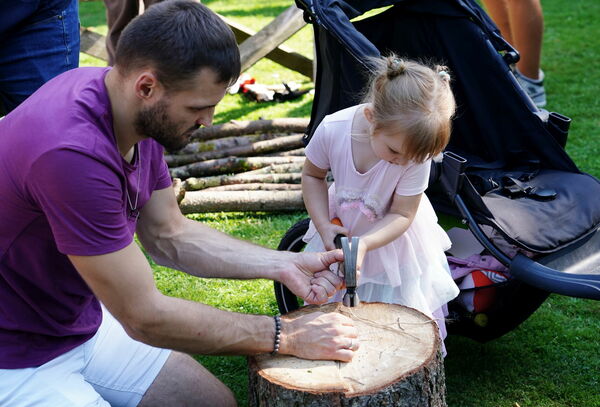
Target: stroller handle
(538,275)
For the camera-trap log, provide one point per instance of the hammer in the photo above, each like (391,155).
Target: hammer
(349,268)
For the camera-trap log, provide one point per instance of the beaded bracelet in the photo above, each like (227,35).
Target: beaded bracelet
(277,335)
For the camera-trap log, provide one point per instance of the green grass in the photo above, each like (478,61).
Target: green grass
(552,359)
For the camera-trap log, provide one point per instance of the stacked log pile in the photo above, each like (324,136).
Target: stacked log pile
(241,166)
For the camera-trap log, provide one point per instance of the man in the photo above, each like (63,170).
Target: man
(39,39)
(81,169)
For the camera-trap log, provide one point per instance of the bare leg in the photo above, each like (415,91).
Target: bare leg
(527,28)
(498,11)
(184,382)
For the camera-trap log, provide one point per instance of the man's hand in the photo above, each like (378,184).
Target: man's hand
(308,276)
(319,336)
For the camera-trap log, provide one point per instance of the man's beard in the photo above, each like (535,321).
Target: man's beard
(154,122)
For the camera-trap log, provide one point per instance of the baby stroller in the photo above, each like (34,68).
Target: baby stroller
(505,174)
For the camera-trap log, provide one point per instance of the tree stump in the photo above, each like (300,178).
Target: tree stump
(399,363)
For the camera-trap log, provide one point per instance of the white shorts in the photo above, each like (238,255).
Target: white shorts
(110,369)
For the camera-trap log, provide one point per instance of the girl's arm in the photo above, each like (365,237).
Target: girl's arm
(316,200)
(400,216)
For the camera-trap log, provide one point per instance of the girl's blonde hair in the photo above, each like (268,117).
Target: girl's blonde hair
(415,99)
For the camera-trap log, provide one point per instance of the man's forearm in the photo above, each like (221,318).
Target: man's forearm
(197,328)
(202,251)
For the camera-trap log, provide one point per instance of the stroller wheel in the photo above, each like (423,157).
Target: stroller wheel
(291,241)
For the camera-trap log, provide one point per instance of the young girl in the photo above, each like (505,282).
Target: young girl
(379,153)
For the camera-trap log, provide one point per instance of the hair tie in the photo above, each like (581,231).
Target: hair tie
(444,75)
(396,67)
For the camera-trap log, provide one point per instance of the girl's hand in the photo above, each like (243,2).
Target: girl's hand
(328,232)
(362,251)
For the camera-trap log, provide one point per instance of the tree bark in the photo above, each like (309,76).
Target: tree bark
(229,165)
(399,363)
(258,148)
(226,142)
(194,184)
(278,169)
(237,128)
(256,186)
(246,201)
(298,152)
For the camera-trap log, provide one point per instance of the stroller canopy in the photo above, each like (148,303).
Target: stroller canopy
(486,127)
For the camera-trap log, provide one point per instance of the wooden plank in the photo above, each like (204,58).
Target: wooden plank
(271,36)
(93,44)
(281,54)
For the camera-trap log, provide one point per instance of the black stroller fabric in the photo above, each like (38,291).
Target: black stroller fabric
(496,128)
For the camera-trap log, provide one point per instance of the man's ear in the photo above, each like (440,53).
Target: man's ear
(147,86)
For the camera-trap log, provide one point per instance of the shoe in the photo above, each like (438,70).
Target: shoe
(533,87)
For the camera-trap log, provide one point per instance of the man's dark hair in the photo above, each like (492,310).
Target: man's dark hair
(176,38)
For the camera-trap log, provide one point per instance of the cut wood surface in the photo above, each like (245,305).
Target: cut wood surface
(398,363)
(178,189)
(195,184)
(271,36)
(228,165)
(238,128)
(256,187)
(258,148)
(247,201)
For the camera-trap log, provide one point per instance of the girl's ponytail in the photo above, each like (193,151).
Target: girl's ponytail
(442,72)
(395,67)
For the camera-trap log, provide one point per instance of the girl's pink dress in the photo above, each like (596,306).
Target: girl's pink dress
(412,270)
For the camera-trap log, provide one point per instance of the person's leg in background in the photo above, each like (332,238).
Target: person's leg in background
(527,30)
(32,54)
(521,23)
(118,14)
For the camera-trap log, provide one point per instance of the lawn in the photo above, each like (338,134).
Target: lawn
(552,359)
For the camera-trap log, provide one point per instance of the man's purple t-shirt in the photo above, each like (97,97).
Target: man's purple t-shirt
(63,191)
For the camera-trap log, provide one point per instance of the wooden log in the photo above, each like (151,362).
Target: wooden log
(246,201)
(278,169)
(258,148)
(178,189)
(286,24)
(237,128)
(399,363)
(283,55)
(226,142)
(256,186)
(228,165)
(298,152)
(195,184)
